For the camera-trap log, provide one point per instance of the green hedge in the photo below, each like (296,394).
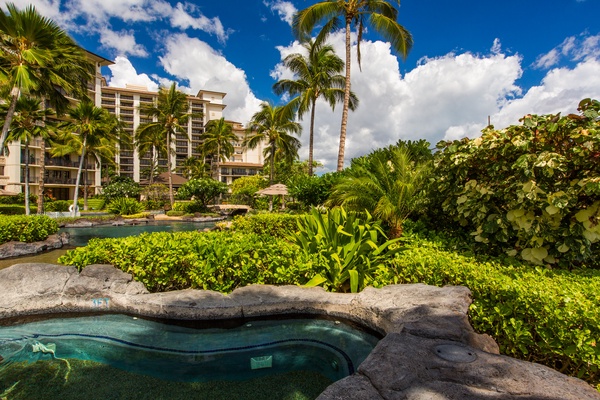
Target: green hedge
(28,229)
(14,209)
(220,261)
(542,315)
(277,225)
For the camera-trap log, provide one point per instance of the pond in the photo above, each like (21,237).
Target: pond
(80,237)
(61,358)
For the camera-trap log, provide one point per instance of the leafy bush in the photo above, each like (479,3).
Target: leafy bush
(531,191)
(125,206)
(18,199)
(243,189)
(14,209)
(276,225)
(312,191)
(156,195)
(202,191)
(218,261)
(349,248)
(175,213)
(120,187)
(58,205)
(28,229)
(536,314)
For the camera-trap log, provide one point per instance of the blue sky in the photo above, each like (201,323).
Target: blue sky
(471,59)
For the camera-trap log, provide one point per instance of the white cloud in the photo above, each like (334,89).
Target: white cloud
(204,68)
(581,48)
(123,72)
(284,9)
(182,17)
(122,42)
(443,98)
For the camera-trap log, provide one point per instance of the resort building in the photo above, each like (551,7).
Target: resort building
(61,172)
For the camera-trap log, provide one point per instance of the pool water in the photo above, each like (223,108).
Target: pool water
(310,352)
(81,236)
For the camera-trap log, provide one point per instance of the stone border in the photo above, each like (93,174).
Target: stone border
(429,351)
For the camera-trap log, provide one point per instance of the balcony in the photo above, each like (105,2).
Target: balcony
(54,162)
(32,179)
(62,181)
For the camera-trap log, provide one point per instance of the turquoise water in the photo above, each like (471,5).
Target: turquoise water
(256,349)
(80,236)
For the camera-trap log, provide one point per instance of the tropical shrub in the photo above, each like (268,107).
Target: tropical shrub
(58,205)
(275,225)
(534,313)
(202,191)
(28,229)
(15,209)
(388,184)
(119,187)
(243,189)
(349,248)
(125,206)
(156,196)
(531,190)
(312,191)
(219,261)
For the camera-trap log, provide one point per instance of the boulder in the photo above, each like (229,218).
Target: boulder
(16,249)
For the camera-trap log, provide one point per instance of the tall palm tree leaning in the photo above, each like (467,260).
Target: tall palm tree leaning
(89,128)
(169,116)
(27,124)
(276,125)
(217,139)
(317,76)
(380,15)
(38,58)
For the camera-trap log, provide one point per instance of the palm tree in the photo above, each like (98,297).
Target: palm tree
(317,76)
(380,15)
(387,185)
(217,139)
(89,130)
(275,125)
(193,168)
(169,116)
(27,124)
(38,58)
(151,141)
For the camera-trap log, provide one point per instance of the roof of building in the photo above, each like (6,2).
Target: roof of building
(163,178)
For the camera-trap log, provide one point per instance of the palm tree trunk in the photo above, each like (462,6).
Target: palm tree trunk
(154,160)
(40,200)
(311,137)
(14,96)
(85,188)
(170,174)
(272,163)
(27,208)
(77,180)
(340,165)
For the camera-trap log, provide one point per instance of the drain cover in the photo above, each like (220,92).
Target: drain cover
(455,353)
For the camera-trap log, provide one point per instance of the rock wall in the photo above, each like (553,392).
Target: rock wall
(429,351)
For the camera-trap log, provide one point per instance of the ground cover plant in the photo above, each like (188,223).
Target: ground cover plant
(31,228)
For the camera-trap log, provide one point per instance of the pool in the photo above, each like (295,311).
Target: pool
(321,350)
(80,236)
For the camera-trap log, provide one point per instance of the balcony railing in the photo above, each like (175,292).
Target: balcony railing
(32,179)
(62,181)
(63,163)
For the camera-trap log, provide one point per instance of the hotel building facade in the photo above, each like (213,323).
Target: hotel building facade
(60,173)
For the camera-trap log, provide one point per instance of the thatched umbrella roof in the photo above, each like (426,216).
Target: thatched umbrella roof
(274,190)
